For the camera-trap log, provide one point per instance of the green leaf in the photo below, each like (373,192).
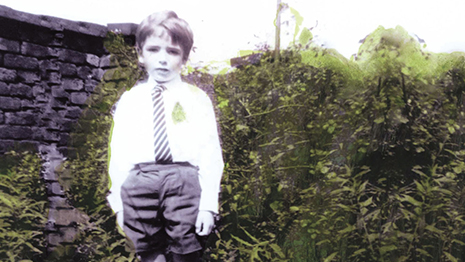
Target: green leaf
(277,249)
(367,202)
(5,200)
(385,249)
(330,257)
(324,170)
(294,209)
(379,120)
(305,36)
(358,252)
(458,242)
(412,200)
(423,252)
(451,257)
(433,229)
(241,241)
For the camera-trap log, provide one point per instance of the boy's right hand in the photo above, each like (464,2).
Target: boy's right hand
(204,223)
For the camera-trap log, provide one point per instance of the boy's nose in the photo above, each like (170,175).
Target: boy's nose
(162,59)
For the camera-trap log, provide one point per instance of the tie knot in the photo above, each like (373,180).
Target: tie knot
(159,88)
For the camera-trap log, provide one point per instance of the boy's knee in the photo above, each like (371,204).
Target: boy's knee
(153,256)
(191,257)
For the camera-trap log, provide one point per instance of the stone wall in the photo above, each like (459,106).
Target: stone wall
(48,68)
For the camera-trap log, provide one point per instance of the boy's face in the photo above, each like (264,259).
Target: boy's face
(161,58)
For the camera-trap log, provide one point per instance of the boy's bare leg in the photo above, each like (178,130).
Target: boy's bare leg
(153,257)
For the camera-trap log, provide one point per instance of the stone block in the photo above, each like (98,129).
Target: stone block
(54,238)
(50,115)
(84,72)
(9,103)
(4,89)
(54,77)
(109,74)
(72,84)
(79,98)
(67,151)
(67,69)
(93,60)
(66,217)
(49,65)
(73,112)
(57,202)
(9,45)
(52,125)
(2,117)
(20,118)
(58,103)
(69,234)
(55,189)
(97,73)
(64,139)
(50,227)
(90,85)
(51,136)
(72,56)
(59,92)
(6,145)
(42,99)
(28,76)
(21,90)
(38,133)
(67,125)
(39,89)
(105,61)
(29,145)
(38,51)
(27,104)
(18,61)
(15,132)
(7,75)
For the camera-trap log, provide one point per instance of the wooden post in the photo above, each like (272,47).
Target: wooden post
(278,32)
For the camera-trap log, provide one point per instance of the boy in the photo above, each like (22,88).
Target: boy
(166,162)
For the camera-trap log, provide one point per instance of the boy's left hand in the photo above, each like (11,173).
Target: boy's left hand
(204,223)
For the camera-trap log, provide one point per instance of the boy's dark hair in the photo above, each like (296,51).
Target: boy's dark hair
(178,29)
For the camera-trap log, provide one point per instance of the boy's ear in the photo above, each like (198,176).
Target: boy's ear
(139,55)
(140,58)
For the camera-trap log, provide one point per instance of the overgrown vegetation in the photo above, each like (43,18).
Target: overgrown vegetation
(23,209)
(336,160)
(326,159)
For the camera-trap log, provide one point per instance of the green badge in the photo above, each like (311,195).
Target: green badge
(178,114)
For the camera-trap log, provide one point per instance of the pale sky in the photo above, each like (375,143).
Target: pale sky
(222,28)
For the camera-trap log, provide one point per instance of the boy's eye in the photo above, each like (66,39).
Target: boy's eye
(153,49)
(174,52)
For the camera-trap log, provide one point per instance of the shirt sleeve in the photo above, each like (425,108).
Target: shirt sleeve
(211,161)
(120,164)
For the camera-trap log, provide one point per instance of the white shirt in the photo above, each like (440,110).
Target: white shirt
(191,129)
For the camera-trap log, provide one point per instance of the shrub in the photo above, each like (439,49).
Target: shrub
(336,160)
(23,211)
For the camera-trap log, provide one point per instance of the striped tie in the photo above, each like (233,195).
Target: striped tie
(162,149)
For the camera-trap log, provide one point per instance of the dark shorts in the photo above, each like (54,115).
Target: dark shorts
(161,204)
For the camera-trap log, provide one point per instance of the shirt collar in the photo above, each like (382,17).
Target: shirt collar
(176,83)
